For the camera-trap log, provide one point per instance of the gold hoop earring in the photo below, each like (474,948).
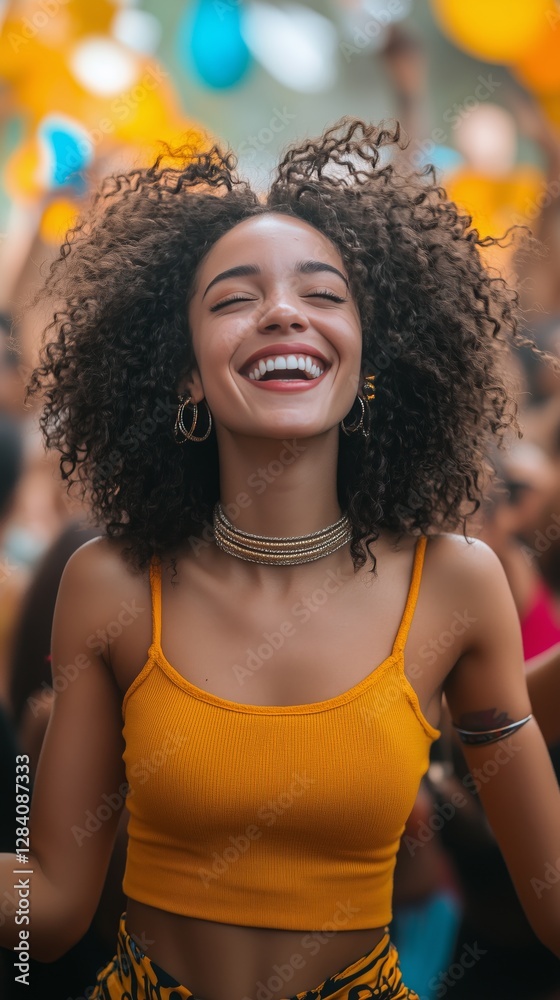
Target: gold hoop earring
(369,388)
(360,425)
(188,435)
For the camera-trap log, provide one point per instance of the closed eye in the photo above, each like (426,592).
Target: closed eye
(324,295)
(228,302)
(242,298)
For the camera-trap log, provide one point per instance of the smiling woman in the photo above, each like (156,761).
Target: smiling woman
(433,325)
(340,344)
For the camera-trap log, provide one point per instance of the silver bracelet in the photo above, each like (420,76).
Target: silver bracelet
(484,736)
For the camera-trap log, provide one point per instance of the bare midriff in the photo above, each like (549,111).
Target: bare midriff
(218,961)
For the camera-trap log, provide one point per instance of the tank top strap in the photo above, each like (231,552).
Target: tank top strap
(408,614)
(155,590)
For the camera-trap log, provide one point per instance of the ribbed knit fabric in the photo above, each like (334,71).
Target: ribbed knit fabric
(271,816)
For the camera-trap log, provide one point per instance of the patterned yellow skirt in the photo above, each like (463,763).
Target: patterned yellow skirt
(131,975)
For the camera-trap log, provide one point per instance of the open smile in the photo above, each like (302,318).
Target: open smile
(294,370)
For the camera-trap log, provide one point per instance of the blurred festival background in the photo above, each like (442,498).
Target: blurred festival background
(88,88)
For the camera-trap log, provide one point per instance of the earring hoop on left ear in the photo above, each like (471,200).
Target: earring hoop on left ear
(188,435)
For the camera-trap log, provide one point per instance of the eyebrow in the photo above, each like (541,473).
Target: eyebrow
(302,267)
(314,266)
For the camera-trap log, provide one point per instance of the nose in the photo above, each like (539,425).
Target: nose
(285,314)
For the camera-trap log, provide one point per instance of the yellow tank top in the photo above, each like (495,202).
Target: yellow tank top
(271,816)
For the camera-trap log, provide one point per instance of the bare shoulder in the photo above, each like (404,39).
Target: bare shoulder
(470,577)
(98,582)
(465,564)
(465,576)
(100,561)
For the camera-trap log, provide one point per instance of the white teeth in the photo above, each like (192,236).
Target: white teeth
(282,362)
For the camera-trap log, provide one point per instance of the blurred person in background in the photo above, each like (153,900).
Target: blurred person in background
(541,425)
(13,577)
(11,382)
(525,482)
(36,513)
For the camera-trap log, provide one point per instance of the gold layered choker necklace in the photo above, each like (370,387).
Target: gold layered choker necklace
(289,551)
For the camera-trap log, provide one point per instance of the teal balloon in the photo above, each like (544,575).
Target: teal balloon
(443,158)
(69,155)
(210,41)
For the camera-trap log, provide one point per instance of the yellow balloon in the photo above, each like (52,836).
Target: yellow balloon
(498,31)
(551,107)
(22,173)
(496,204)
(58,217)
(539,69)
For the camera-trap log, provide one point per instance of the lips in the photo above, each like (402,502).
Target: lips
(284,349)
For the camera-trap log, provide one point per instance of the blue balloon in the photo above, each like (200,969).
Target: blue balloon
(210,40)
(69,154)
(444,158)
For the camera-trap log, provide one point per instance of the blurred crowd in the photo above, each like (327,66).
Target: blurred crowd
(458,925)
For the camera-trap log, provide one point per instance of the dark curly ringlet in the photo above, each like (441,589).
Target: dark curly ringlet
(436,326)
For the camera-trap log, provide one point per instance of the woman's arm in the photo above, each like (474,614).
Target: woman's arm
(487,689)
(80,770)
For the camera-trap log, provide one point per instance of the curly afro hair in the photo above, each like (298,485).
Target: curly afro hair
(437,329)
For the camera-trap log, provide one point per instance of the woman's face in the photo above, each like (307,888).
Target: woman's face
(276,334)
